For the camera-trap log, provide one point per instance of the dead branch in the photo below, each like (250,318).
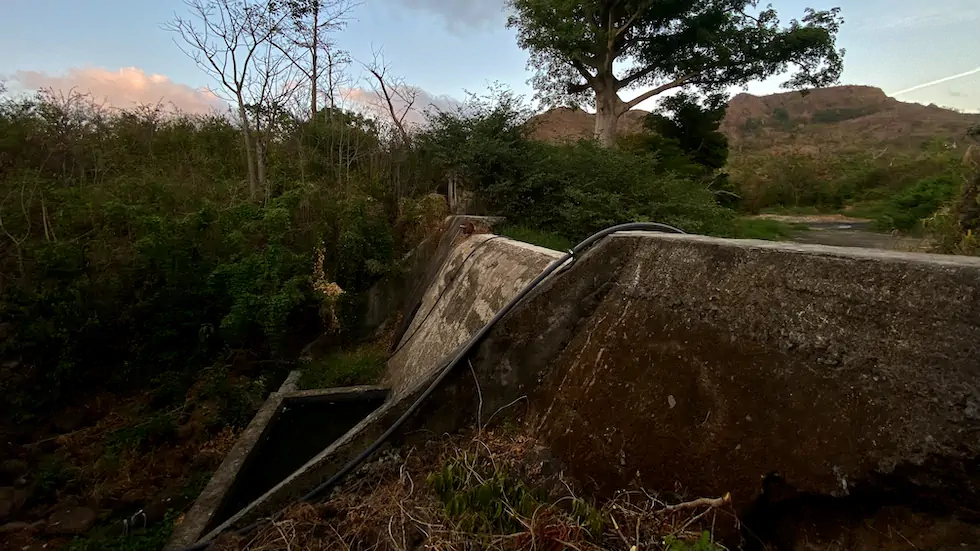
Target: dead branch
(392,91)
(701,502)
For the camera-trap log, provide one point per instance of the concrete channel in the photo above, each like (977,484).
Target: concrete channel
(290,428)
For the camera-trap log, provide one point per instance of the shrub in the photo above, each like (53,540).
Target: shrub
(132,251)
(906,209)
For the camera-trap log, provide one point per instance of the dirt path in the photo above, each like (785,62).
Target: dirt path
(843,231)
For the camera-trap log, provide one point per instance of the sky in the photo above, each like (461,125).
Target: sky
(117,50)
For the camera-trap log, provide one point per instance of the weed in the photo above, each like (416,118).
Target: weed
(153,538)
(158,429)
(761,228)
(359,366)
(52,475)
(703,543)
(483,500)
(549,240)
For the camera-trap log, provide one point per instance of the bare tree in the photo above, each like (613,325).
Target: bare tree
(396,96)
(232,40)
(308,39)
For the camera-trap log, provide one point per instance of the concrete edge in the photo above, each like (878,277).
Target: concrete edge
(209,501)
(196,520)
(857,253)
(322,466)
(337,394)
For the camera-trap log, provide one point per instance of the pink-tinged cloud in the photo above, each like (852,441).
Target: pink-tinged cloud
(370,102)
(126,88)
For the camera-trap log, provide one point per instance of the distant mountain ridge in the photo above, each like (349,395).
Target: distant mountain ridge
(835,118)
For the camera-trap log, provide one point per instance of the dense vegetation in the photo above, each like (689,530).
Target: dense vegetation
(139,269)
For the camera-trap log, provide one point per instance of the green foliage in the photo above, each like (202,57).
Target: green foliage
(576,189)
(575,45)
(237,398)
(693,127)
(152,538)
(573,189)
(52,475)
(541,238)
(955,227)
(761,228)
(703,543)
(828,183)
(132,253)
(151,433)
(360,366)
(906,209)
(482,500)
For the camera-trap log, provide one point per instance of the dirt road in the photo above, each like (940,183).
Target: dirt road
(843,231)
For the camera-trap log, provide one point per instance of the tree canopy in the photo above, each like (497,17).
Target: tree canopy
(586,52)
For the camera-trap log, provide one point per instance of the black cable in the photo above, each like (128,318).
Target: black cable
(460,355)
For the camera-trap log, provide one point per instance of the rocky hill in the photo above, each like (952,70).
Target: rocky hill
(836,118)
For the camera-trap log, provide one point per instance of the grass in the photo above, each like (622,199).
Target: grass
(770,230)
(548,240)
(357,366)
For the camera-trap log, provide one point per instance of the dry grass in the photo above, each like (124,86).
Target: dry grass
(392,504)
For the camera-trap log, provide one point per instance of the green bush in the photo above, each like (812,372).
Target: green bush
(133,253)
(906,209)
(572,190)
(577,189)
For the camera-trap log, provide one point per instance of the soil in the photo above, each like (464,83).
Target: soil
(845,231)
(97,463)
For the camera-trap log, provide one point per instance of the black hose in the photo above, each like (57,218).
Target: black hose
(460,355)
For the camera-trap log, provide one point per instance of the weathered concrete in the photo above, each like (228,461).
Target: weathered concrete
(712,364)
(196,520)
(831,367)
(423,264)
(211,500)
(482,273)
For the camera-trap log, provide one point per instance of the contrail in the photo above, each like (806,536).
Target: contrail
(935,82)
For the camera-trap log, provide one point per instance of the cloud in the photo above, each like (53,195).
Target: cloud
(126,88)
(462,15)
(369,102)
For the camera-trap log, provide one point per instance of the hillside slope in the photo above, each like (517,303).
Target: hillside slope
(839,118)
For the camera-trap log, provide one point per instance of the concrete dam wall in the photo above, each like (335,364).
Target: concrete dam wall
(709,364)
(715,363)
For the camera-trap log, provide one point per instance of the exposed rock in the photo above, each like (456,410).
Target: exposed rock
(12,527)
(13,471)
(71,521)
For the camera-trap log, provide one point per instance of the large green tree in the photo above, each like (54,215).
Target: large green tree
(587,52)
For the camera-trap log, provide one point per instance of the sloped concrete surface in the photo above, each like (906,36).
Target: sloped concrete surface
(715,365)
(480,275)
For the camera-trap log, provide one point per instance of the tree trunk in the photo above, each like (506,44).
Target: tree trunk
(253,180)
(314,76)
(608,110)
